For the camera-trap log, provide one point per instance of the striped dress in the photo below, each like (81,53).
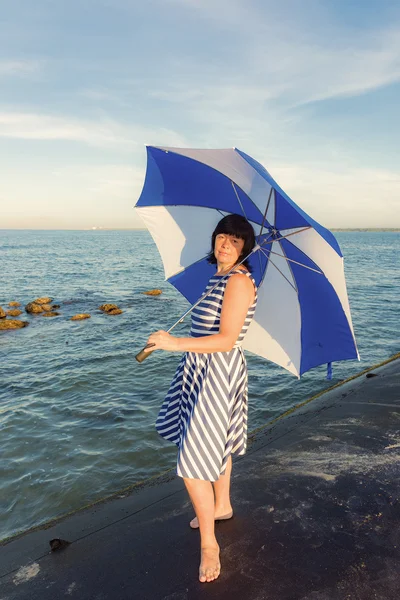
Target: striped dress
(205,410)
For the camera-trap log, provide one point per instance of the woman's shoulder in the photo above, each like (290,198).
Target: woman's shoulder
(238,273)
(249,279)
(241,271)
(241,287)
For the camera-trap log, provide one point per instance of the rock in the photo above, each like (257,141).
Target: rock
(14,313)
(3,313)
(58,544)
(14,304)
(42,300)
(110,309)
(13,324)
(33,308)
(55,306)
(80,317)
(46,307)
(152,293)
(50,314)
(107,307)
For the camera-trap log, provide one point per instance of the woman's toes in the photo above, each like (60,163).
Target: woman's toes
(211,574)
(210,566)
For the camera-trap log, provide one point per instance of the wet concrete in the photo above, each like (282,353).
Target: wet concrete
(317,517)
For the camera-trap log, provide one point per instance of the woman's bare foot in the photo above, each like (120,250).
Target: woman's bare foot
(210,567)
(221,516)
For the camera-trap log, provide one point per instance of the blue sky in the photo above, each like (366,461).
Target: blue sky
(309,88)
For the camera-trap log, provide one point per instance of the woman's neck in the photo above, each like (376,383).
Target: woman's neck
(223,269)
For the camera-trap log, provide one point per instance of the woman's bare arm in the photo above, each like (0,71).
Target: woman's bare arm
(239,295)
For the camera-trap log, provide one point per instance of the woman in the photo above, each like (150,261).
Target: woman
(205,409)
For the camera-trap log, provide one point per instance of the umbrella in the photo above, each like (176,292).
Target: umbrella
(302,318)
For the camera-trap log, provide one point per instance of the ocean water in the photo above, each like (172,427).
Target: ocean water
(77,411)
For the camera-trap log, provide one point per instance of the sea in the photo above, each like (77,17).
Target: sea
(77,411)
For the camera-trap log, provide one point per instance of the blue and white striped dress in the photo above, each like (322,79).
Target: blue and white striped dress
(205,410)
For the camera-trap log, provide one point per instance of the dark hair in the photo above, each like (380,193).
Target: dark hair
(239,227)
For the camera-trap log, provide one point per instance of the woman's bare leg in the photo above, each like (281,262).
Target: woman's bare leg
(202,497)
(222,503)
(222,491)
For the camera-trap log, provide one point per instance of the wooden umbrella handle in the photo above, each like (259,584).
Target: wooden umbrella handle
(142,354)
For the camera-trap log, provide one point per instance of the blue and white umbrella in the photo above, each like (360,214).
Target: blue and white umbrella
(303,315)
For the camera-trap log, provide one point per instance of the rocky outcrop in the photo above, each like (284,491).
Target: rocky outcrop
(14,313)
(110,309)
(41,305)
(3,313)
(14,304)
(152,293)
(107,307)
(45,300)
(80,317)
(46,307)
(12,324)
(33,308)
(50,314)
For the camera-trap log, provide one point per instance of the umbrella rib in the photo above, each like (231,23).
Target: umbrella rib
(278,269)
(288,264)
(289,282)
(237,196)
(266,210)
(259,259)
(291,260)
(264,274)
(296,262)
(283,237)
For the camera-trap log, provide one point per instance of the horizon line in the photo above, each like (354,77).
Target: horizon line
(99,229)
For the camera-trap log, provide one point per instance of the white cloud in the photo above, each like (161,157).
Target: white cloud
(104,132)
(295,53)
(19,67)
(356,67)
(45,127)
(269,65)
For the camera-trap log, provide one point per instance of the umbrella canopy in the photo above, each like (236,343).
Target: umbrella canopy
(303,316)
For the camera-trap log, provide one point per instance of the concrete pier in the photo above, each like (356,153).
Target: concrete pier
(317,517)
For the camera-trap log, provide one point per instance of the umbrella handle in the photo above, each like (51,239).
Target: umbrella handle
(142,354)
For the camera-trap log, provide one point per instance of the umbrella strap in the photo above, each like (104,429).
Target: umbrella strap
(329,370)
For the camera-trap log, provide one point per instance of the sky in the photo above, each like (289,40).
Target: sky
(309,88)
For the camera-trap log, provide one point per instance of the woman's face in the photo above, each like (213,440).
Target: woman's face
(227,249)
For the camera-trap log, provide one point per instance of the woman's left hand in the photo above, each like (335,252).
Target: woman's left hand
(162,340)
